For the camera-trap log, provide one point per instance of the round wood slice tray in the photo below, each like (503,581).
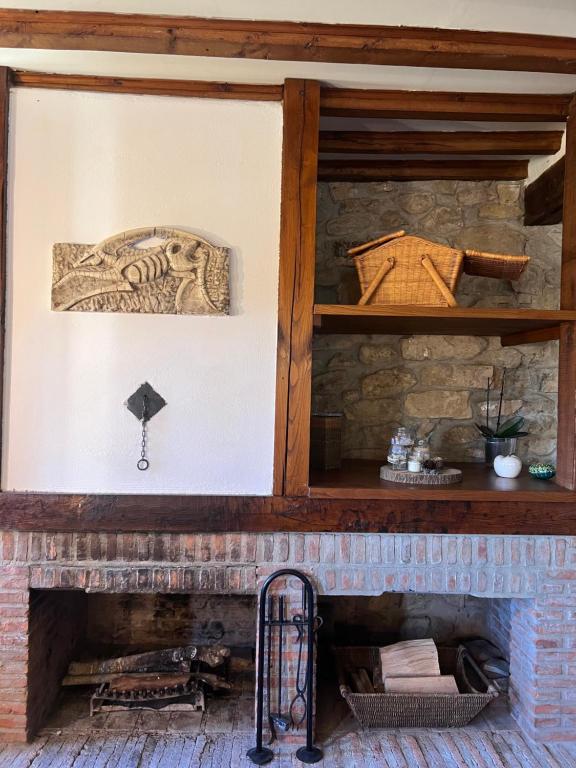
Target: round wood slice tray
(446,476)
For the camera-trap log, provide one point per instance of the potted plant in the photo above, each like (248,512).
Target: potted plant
(500,440)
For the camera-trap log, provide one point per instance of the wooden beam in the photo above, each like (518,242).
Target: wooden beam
(421,170)
(4,108)
(545,513)
(531,337)
(301,130)
(443,142)
(290,245)
(544,197)
(444,105)
(566,448)
(286,41)
(147,86)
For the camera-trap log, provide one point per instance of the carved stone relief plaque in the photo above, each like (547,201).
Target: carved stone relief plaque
(155,269)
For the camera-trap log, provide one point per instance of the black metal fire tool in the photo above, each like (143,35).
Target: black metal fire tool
(305,624)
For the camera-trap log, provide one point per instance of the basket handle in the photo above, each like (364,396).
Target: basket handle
(379,241)
(440,284)
(385,267)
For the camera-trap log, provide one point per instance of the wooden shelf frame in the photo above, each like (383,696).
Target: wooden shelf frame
(511,325)
(523,324)
(294,505)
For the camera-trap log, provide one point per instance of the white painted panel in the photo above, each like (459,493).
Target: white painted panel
(85,166)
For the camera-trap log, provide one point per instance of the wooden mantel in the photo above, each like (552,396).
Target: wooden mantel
(261,514)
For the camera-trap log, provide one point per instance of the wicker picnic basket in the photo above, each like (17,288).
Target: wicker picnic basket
(414,710)
(404,269)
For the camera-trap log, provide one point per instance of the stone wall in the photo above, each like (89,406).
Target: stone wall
(435,384)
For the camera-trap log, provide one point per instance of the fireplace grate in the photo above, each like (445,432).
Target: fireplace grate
(183,697)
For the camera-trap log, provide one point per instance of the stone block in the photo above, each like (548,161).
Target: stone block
(499,211)
(439,404)
(491,237)
(461,435)
(416,202)
(373,411)
(458,376)
(442,220)
(509,192)
(388,382)
(442,347)
(376,353)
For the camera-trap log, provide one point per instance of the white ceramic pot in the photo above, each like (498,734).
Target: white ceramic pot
(507,466)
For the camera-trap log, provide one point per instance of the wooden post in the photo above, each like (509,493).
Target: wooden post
(296,300)
(566,469)
(4,108)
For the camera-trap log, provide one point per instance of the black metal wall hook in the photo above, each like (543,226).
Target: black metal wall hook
(305,624)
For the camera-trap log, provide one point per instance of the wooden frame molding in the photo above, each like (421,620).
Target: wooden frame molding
(421,170)
(442,142)
(4,108)
(287,41)
(147,86)
(444,105)
(566,469)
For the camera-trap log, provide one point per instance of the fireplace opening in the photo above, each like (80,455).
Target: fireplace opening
(98,661)
(378,621)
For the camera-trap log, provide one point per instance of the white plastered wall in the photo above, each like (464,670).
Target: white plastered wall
(84,166)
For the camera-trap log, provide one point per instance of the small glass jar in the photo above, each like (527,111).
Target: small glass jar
(422,450)
(414,463)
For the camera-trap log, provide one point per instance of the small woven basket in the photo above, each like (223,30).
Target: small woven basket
(412,710)
(498,265)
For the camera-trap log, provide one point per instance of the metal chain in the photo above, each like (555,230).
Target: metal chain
(143,462)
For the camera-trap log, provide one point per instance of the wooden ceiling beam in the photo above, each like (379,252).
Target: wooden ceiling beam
(444,105)
(544,197)
(147,86)
(421,170)
(286,41)
(443,142)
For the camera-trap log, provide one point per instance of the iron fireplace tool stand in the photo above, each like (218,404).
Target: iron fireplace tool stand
(305,624)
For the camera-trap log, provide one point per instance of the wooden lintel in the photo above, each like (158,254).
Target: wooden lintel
(421,170)
(497,513)
(543,198)
(442,142)
(444,105)
(147,86)
(531,337)
(286,41)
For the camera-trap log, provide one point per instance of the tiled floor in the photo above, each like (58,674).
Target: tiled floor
(219,738)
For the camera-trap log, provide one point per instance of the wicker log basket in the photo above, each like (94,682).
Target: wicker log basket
(414,710)
(403,269)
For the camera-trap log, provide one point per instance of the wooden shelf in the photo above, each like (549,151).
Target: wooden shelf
(361,480)
(455,321)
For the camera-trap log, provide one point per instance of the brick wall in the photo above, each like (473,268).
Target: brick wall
(55,626)
(535,576)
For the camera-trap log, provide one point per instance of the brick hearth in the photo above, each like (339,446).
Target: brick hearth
(535,575)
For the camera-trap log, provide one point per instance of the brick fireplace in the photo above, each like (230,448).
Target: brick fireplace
(531,583)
